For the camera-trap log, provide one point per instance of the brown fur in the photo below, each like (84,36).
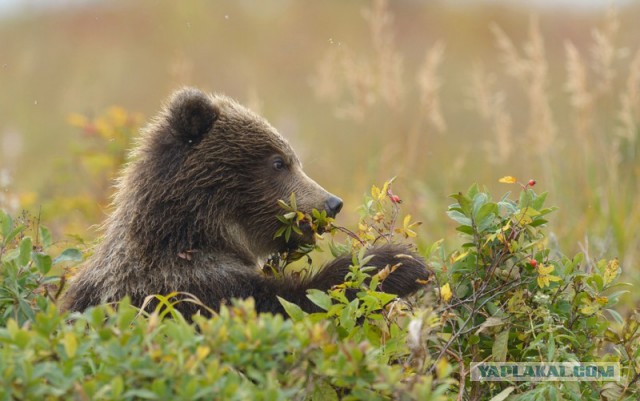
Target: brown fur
(195,212)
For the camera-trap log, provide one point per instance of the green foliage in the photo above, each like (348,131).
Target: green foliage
(106,354)
(27,285)
(508,297)
(503,296)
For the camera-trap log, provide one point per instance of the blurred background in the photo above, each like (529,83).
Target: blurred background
(441,94)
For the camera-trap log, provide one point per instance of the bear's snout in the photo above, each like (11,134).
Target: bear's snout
(333,205)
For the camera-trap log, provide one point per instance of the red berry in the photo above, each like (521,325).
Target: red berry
(395,199)
(532,183)
(533,262)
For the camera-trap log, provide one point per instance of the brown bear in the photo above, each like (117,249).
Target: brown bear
(195,212)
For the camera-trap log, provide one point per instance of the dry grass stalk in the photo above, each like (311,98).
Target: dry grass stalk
(603,51)
(542,129)
(388,60)
(324,82)
(489,102)
(482,90)
(359,81)
(580,98)
(510,57)
(630,102)
(429,84)
(531,70)
(363,81)
(429,108)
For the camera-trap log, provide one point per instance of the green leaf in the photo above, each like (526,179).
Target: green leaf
(26,246)
(280,231)
(140,393)
(5,223)
(463,201)
(292,201)
(526,197)
(503,394)
(485,216)
(474,339)
(538,201)
(538,222)
(294,311)
(615,315)
(117,387)
(69,255)
(45,236)
(465,229)
(283,205)
(12,234)
(472,191)
(459,218)
(43,262)
(499,349)
(479,200)
(323,392)
(320,298)
(383,297)
(551,348)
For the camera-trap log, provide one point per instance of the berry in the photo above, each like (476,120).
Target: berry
(531,183)
(533,262)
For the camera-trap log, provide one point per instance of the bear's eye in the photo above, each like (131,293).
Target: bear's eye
(278,164)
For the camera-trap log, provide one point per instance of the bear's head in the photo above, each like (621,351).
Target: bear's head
(207,175)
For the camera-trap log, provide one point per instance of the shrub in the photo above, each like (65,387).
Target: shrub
(505,295)
(27,285)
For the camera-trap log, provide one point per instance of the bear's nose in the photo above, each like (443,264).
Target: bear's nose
(333,205)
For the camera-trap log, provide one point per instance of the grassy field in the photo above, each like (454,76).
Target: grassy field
(439,96)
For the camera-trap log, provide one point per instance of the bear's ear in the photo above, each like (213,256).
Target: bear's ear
(190,115)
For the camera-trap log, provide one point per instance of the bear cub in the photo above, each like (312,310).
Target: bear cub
(195,211)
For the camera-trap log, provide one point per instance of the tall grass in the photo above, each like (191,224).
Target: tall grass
(575,131)
(439,96)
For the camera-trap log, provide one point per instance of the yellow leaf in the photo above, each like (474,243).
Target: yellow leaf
(104,128)
(27,199)
(544,278)
(544,270)
(117,115)
(375,192)
(77,120)
(443,368)
(202,352)
(445,292)
(70,344)
(611,271)
(589,307)
(522,218)
(410,233)
(406,221)
(543,281)
(383,193)
(508,179)
(460,256)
